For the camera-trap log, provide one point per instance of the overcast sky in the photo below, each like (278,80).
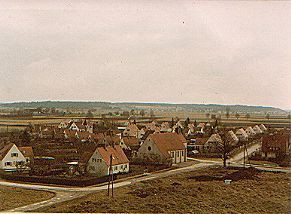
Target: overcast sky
(223,52)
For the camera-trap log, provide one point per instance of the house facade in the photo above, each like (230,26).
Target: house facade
(11,158)
(163,147)
(98,163)
(274,146)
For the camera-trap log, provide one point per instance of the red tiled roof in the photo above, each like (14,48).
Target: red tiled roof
(26,151)
(117,154)
(5,150)
(167,142)
(130,141)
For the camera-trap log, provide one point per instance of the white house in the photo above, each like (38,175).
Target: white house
(11,158)
(98,162)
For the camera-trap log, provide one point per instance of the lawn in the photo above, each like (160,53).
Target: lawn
(201,191)
(11,197)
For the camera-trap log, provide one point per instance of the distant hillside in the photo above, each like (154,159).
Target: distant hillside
(127,105)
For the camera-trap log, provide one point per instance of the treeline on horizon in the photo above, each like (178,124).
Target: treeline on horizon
(95,104)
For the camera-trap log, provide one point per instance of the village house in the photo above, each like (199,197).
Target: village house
(199,144)
(200,127)
(77,126)
(263,127)
(131,130)
(11,158)
(130,146)
(165,127)
(64,124)
(151,126)
(213,144)
(274,146)
(250,132)
(241,135)
(97,163)
(232,138)
(191,129)
(164,147)
(257,129)
(27,152)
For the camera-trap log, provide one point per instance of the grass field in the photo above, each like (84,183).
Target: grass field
(11,197)
(201,191)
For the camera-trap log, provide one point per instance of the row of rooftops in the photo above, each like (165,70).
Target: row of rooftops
(233,137)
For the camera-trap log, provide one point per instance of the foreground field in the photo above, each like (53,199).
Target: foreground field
(198,191)
(11,197)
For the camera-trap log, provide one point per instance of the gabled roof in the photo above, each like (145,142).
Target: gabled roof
(118,156)
(215,138)
(201,125)
(241,132)
(263,127)
(130,141)
(5,150)
(167,142)
(231,136)
(250,131)
(257,129)
(26,151)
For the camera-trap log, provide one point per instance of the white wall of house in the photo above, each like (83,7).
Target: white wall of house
(74,127)
(148,148)
(178,156)
(12,158)
(97,166)
(269,155)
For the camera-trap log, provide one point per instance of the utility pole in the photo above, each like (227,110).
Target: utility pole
(244,155)
(110,177)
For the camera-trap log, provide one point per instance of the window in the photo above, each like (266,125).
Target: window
(172,154)
(182,153)
(178,153)
(115,168)
(14,154)
(125,166)
(8,163)
(149,148)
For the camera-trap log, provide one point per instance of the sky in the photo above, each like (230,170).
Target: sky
(223,52)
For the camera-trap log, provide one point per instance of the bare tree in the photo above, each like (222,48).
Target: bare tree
(237,115)
(268,116)
(248,116)
(226,147)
